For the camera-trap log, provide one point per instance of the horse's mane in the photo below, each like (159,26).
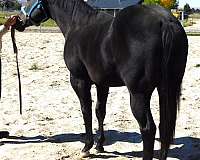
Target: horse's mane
(70,4)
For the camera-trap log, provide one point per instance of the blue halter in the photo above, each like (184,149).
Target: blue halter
(38,7)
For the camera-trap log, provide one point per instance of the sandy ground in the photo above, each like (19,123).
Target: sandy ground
(51,126)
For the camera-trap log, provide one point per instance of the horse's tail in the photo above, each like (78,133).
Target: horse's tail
(175,48)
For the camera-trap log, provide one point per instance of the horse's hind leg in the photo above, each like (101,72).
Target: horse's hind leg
(140,105)
(102,94)
(82,89)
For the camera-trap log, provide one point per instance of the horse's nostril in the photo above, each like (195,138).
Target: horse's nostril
(19,25)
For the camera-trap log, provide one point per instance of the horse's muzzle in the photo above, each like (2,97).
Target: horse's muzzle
(20,24)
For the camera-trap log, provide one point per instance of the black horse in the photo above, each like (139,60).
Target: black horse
(143,48)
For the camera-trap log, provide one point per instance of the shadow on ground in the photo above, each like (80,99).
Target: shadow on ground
(188,147)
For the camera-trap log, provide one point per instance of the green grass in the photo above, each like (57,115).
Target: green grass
(3,15)
(49,23)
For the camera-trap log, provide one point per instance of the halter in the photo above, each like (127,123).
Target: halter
(37,13)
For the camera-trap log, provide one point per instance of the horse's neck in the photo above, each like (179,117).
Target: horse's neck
(74,14)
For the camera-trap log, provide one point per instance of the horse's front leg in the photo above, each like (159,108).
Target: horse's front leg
(82,89)
(102,94)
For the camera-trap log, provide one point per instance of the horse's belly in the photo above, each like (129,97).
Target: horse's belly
(111,80)
(113,83)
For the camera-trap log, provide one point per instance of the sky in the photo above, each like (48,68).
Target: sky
(192,3)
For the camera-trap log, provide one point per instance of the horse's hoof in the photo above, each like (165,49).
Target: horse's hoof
(85,154)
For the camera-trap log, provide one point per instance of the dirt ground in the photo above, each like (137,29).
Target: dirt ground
(51,126)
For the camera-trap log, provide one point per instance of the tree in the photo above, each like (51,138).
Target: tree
(152,1)
(168,3)
(165,3)
(175,5)
(187,8)
(10,4)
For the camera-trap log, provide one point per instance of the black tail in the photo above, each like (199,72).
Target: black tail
(175,49)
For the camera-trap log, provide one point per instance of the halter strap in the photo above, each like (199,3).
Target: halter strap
(38,5)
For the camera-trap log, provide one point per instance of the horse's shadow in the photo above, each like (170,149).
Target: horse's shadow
(112,136)
(188,147)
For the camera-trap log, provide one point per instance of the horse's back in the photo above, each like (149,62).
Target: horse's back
(144,18)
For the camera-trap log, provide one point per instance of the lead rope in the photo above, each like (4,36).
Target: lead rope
(18,73)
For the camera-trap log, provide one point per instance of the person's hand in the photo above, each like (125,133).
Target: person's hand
(10,21)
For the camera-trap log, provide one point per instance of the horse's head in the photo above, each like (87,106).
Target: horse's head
(34,13)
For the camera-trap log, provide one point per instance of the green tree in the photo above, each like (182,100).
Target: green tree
(175,6)
(165,3)
(187,8)
(152,1)
(10,4)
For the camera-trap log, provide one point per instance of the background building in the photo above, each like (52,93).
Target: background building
(112,6)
